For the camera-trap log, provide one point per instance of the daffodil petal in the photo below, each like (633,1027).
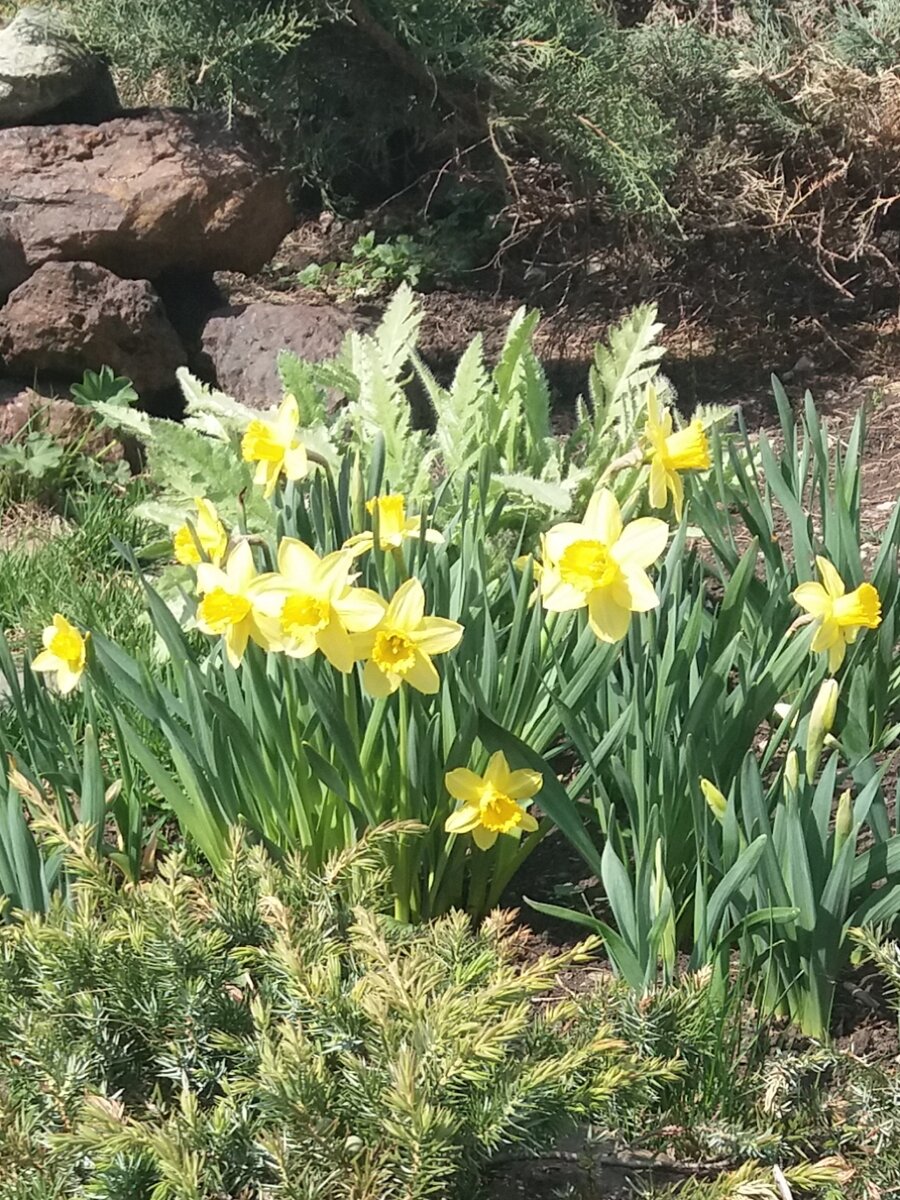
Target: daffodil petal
(557,596)
(335,644)
(484,838)
(641,543)
(45,661)
(423,675)
(812,598)
(833,583)
(826,635)
(523,784)
(239,566)
(676,484)
(603,518)
(66,679)
(436,635)
(463,784)
(360,609)
(296,462)
(464,820)
(359,543)
(407,606)
(642,595)
(236,640)
(528,823)
(377,683)
(657,489)
(298,562)
(836,655)
(497,771)
(608,620)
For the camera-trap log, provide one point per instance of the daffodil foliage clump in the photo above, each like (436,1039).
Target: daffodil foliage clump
(660,640)
(274,1033)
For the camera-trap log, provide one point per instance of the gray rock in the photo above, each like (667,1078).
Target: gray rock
(45,69)
(139,195)
(241,344)
(72,317)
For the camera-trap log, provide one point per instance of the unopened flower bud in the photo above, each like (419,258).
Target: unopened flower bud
(792,770)
(821,720)
(843,821)
(718,805)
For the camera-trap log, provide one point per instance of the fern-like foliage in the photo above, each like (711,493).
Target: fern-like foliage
(622,370)
(377,404)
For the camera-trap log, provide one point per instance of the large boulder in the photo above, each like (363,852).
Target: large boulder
(140,195)
(45,70)
(241,344)
(72,317)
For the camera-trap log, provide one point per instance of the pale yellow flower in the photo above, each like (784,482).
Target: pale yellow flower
(670,453)
(393,526)
(275,447)
(492,803)
(838,614)
(229,607)
(64,654)
(599,564)
(315,605)
(400,647)
(205,536)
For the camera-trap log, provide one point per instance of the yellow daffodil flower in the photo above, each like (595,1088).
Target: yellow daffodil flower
(838,614)
(276,447)
(229,607)
(315,605)
(671,453)
(599,564)
(64,654)
(393,526)
(399,648)
(205,536)
(491,803)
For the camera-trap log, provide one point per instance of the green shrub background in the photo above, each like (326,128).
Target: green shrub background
(664,120)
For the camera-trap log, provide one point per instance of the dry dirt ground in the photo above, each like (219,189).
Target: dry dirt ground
(721,348)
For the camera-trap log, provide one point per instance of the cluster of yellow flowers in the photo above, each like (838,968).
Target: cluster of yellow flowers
(311,603)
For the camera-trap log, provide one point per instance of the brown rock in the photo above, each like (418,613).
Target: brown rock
(72,317)
(139,195)
(68,424)
(241,344)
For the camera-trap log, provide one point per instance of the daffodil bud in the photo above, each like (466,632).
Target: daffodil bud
(718,805)
(843,822)
(820,722)
(792,770)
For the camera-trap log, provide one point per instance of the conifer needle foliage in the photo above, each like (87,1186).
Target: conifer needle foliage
(274,1034)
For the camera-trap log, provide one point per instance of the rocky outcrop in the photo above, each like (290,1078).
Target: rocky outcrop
(241,344)
(71,317)
(139,195)
(45,72)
